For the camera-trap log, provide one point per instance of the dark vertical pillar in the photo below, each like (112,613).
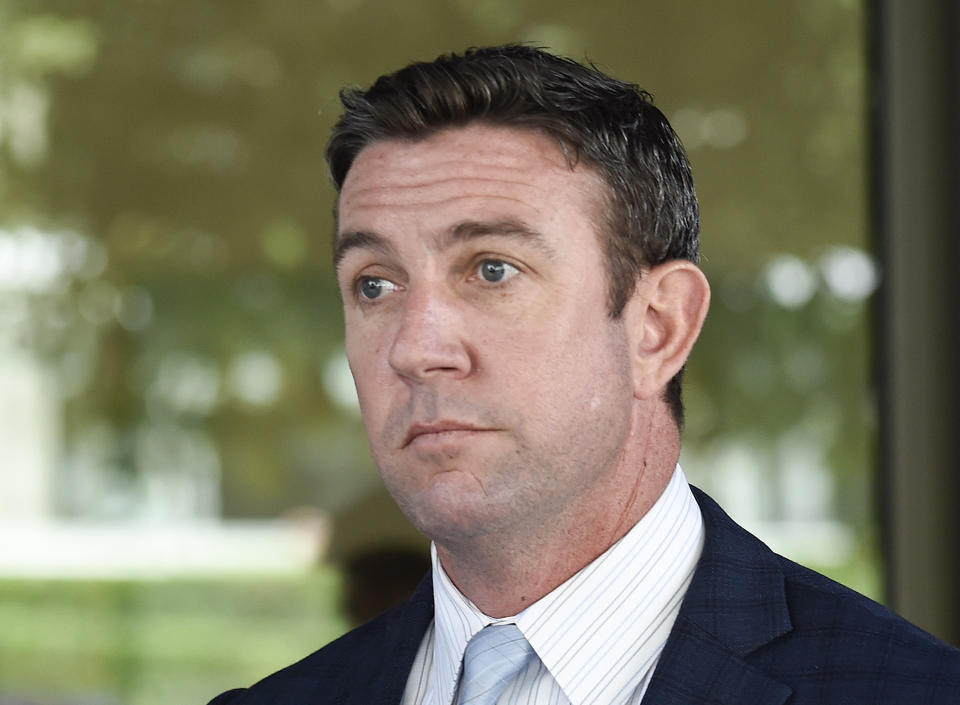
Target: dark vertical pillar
(916,195)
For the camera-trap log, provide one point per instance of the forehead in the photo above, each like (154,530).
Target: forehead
(467,172)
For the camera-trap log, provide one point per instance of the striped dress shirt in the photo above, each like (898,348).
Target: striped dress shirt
(597,636)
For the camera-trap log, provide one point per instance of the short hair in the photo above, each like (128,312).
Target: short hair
(650,214)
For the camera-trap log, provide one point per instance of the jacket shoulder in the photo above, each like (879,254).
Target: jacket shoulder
(842,642)
(825,642)
(374,658)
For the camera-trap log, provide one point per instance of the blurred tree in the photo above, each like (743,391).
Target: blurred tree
(165,223)
(169,156)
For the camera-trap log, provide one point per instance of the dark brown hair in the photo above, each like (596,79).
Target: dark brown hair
(651,213)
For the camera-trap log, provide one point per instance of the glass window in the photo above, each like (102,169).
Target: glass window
(181,457)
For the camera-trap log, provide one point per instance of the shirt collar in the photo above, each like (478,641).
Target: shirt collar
(601,631)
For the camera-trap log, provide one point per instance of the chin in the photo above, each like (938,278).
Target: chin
(452,505)
(449,522)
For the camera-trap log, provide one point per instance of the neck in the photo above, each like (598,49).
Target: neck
(505,572)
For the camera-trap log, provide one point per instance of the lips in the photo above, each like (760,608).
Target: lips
(438,429)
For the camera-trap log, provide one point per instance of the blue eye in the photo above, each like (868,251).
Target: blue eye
(374,287)
(495,271)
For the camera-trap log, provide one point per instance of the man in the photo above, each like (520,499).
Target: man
(516,249)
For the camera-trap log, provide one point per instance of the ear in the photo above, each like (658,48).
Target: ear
(664,317)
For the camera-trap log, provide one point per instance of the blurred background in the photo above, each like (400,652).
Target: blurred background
(187,500)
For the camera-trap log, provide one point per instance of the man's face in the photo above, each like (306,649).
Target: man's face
(495,389)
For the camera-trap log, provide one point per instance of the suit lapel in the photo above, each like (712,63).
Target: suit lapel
(695,669)
(736,604)
(397,651)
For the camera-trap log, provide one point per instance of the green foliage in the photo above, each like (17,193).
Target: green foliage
(182,143)
(153,643)
(171,152)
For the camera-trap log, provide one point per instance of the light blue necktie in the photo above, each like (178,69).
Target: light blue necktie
(493,657)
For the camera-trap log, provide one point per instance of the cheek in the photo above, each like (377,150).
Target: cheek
(362,356)
(366,346)
(542,368)
(580,363)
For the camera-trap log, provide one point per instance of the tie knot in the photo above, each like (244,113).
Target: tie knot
(493,657)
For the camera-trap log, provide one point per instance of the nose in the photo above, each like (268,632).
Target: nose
(429,339)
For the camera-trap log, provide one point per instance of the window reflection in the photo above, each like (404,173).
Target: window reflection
(173,386)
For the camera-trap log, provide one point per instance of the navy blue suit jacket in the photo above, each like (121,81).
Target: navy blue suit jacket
(754,628)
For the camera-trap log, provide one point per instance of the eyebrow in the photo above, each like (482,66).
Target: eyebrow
(360,240)
(471,229)
(463,231)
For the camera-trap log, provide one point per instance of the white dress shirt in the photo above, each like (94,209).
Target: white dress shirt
(598,635)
